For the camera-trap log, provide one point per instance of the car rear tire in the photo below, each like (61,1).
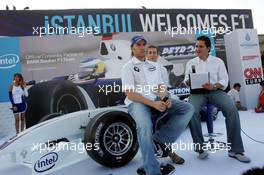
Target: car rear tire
(53,98)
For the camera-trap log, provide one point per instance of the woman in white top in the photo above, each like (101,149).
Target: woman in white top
(17,93)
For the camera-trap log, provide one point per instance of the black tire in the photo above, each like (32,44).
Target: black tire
(56,96)
(48,117)
(114,132)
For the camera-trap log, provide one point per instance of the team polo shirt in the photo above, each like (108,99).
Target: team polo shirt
(165,76)
(142,77)
(164,73)
(212,64)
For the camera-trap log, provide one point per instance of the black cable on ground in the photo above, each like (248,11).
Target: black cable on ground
(252,137)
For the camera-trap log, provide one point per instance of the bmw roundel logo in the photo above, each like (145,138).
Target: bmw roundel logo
(136,69)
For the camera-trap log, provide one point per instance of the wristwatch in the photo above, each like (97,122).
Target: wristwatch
(214,87)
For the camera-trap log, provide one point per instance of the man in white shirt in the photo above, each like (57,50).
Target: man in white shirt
(234,95)
(142,83)
(215,95)
(152,54)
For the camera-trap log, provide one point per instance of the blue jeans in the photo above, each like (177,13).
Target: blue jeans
(178,117)
(223,102)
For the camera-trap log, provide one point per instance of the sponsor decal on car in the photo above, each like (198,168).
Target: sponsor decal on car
(97,139)
(46,162)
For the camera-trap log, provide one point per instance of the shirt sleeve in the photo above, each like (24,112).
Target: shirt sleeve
(187,71)
(164,75)
(236,95)
(25,92)
(11,97)
(127,78)
(160,78)
(222,75)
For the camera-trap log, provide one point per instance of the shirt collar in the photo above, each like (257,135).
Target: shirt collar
(201,61)
(136,61)
(151,62)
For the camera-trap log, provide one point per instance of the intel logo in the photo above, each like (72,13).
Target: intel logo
(46,162)
(8,61)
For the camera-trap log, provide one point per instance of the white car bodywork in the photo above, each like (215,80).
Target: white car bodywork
(30,148)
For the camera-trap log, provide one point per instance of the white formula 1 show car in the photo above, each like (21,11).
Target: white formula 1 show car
(108,135)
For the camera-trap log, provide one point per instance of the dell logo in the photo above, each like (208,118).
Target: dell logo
(46,162)
(8,61)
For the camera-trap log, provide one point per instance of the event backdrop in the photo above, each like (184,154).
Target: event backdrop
(83,50)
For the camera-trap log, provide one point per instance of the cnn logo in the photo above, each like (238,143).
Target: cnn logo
(250,73)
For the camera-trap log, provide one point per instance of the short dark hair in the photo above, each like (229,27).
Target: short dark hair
(254,171)
(262,83)
(205,39)
(236,85)
(153,47)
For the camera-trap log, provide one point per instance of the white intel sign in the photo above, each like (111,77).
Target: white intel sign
(8,61)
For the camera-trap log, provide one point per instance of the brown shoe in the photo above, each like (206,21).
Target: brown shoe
(175,158)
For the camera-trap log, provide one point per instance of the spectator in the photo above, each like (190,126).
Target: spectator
(254,171)
(17,93)
(260,107)
(234,95)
